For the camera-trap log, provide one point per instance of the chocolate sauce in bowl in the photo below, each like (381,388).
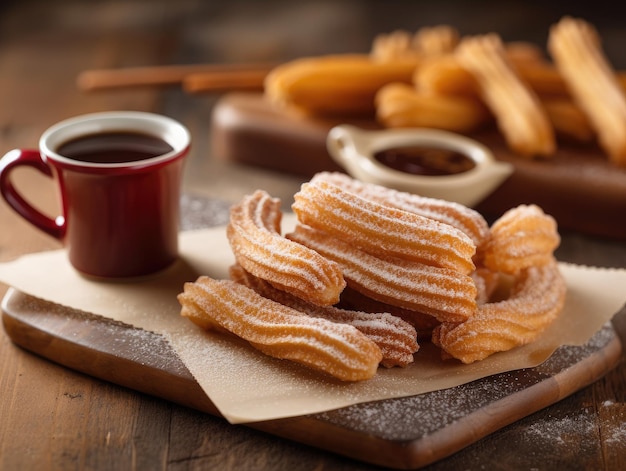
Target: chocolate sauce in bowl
(429,161)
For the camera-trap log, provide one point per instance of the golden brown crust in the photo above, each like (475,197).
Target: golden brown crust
(382,230)
(575,46)
(517,110)
(280,331)
(537,298)
(396,338)
(442,293)
(522,237)
(258,246)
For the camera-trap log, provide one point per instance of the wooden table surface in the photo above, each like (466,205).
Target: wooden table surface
(55,418)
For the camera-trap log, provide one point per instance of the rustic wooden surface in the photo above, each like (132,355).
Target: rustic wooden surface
(54,418)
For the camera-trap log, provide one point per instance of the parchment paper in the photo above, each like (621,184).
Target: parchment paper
(247,386)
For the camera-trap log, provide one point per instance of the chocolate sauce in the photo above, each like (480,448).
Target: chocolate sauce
(425,160)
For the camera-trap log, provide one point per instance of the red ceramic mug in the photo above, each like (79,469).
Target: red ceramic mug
(119,177)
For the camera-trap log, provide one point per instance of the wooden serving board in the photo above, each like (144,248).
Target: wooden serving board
(579,186)
(404,433)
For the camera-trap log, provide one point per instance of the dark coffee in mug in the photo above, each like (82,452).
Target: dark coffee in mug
(114,147)
(119,177)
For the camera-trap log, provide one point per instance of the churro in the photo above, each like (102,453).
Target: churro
(467,220)
(577,51)
(536,299)
(353,300)
(518,112)
(396,338)
(400,105)
(445,294)
(280,331)
(383,230)
(568,119)
(254,235)
(342,85)
(522,237)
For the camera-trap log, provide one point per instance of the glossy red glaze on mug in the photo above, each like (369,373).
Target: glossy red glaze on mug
(118,220)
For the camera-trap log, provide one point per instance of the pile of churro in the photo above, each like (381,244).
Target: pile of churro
(368,271)
(437,78)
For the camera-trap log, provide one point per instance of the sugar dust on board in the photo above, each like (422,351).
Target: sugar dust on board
(114,147)
(428,161)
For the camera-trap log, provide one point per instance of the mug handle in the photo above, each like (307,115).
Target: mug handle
(30,158)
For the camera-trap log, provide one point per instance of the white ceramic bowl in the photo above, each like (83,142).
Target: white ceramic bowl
(354,148)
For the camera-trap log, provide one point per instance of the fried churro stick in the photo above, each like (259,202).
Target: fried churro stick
(280,331)
(401,105)
(445,76)
(465,219)
(537,298)
(340,85)
(522,237)
(382,230)
(396,338)
(575,46)
(442,293)
(518,112)
(258,246)
(568,119)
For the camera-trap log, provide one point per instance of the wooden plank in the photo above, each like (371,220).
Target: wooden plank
(403,433)
(246,129)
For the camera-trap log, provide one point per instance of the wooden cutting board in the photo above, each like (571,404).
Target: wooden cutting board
(404,433)
(578,186)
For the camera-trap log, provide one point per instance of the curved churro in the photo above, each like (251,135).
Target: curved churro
(518,112)
(254,236)
(383,230)
(465,219)
(280,331)
(442,293)
(400,105)
(522,237)
(576,48)
(396,338)
(536,299)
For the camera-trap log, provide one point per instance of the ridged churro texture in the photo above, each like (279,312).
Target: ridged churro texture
(254,236)
(577,51)
(467,220)
(280,331)
(382,230)
(521,238)
(368,270)
(396,338)
(445,294)
(536,299)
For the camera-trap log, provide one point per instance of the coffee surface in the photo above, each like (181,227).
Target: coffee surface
(114,147)
(425,160)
